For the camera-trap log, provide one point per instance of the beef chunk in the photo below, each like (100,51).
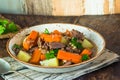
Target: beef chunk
(16,48)
(31,50)
(45,46)
(42,44)
(56,45)
(69,48)
(77,34)
(66,63)
(73,50)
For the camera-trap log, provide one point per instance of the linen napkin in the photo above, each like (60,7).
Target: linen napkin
(106,58)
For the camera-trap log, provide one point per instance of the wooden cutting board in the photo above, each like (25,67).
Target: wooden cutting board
(60,7)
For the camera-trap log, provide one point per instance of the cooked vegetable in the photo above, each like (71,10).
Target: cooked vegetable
(87,44)
(6,26)
(86,51)
(30,40)
(33,35)
(17,46)
(51,54)
(51,37)
(23,56)
(85,57)
(50,63)
(36,56)
(46,31)
(42,57)
(56,32)
(68,33)
(75,58)
(63,40)
(75,43)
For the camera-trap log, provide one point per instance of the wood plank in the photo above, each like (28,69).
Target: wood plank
(117,6)
(72,7)
(68,7)
(106,7)
(41,7)
(60,7)
(111,6)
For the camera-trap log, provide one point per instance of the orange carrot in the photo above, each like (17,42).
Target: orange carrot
(33,35)
(42,57)
(51,37)
(75,58)
(26,44)
(30,40)
(68,33)
(56,32)
(36,56)
(86,51)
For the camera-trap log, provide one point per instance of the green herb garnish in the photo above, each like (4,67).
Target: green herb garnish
(12,27)
(2,29)
(79,45)
(73,40)
(16,46)
(85,57)
(75,43)
(51,54)
(6,27)
(46,31)
(3,22)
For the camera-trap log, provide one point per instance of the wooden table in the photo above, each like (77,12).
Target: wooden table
(107,25)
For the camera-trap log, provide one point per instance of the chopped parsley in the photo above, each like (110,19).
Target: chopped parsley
(85,57)
(6,27)
(2,29)
(46,31)
(75,43)
(16,46)
(51,54)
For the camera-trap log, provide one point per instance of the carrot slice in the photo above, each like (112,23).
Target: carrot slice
(36,56)
(68,33)
(56,32)
(51,37)
(26,44)
(33,35)
(42,57)
(75,58)
(30,40)
(86,51)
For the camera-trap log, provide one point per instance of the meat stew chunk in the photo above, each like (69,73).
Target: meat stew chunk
(77,34)
(56,45)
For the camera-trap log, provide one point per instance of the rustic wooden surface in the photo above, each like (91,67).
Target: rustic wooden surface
(108,26)
(60,7)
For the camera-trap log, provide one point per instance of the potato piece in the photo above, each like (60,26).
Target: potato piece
(63,40)
(23,56)
(87,44)
(50,63)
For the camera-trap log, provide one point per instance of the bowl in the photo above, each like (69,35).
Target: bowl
(89,33)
